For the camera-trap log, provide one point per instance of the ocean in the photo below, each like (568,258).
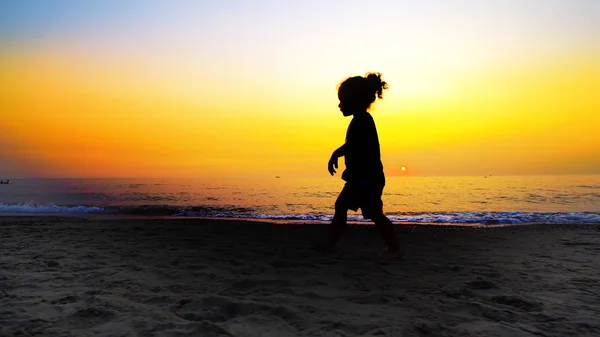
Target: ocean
(443,200)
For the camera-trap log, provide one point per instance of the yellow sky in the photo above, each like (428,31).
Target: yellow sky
(74,107)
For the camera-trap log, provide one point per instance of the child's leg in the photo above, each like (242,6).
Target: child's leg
(386,227)
(372,208)
(337,226)
(344,202)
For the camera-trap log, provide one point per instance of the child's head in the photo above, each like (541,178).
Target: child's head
(357,93)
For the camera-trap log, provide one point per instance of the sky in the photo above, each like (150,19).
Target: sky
(234,88)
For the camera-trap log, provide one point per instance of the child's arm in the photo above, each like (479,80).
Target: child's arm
(333,161)
(339,152)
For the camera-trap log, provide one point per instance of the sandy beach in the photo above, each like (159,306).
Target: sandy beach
(195,277)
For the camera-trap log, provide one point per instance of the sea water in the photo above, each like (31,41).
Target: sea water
(476,199)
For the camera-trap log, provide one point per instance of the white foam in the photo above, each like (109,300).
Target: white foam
(513,218)
(48,208)
(499,217)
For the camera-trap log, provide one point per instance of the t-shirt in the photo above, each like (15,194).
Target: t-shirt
(362,155)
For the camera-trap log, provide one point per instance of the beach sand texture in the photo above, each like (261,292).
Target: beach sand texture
(195,277)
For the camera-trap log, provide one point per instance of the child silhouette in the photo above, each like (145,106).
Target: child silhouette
(364,174)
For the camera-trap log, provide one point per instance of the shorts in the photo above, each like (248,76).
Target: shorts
(366,197)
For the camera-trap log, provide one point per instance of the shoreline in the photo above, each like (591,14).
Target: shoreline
(125,217)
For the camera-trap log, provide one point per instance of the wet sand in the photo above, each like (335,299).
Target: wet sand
(69,276)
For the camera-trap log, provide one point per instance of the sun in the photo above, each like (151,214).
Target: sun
(403,168)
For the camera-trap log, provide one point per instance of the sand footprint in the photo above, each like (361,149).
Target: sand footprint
(87,318)
(517,302)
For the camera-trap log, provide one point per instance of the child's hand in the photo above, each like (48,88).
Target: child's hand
(332,165)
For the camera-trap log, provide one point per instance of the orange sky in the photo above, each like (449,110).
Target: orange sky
(132,102)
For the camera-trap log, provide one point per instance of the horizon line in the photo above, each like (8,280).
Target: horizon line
(303,176)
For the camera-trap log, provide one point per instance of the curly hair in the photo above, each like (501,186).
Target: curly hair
(364,90)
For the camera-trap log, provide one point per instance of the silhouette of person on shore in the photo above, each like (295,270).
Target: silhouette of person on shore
(364,174)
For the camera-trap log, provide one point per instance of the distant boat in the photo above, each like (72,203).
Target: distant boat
(4,182)
(277,176)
